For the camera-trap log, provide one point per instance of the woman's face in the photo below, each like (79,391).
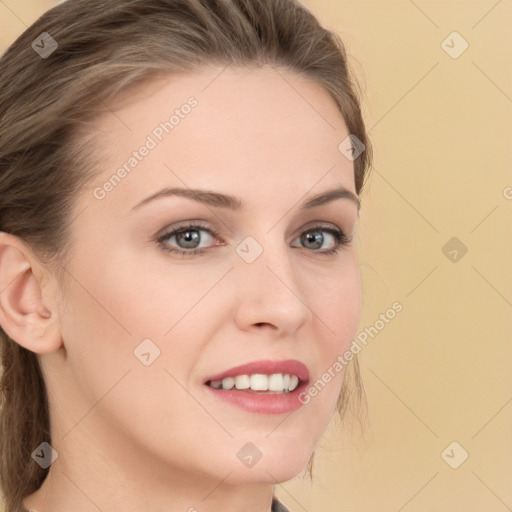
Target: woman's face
(149,318)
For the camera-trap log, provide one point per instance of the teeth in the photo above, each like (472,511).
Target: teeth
(294,382)
(259,382)
(242,382)
(277,382)
(228,383)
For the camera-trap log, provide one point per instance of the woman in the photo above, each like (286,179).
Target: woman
(179,190)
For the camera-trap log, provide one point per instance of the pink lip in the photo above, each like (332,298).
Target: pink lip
(261,402)
(265,367)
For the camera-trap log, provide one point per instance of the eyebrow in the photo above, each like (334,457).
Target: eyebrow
(230,202)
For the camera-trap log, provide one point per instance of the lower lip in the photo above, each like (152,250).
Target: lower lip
(262,403)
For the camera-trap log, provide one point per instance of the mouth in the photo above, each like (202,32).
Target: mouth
(275,383)
(268,387)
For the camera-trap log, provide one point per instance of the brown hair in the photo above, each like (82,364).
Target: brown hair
(48,104)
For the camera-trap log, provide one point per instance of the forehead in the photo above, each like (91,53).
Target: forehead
(240,130)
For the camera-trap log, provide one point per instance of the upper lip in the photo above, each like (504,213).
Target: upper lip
(265,367)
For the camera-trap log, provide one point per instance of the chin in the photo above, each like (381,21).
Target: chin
(273,467)
(279,472)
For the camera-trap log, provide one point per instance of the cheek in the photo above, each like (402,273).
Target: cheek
(111,311)
(336,303)
(338,309)
(113,307)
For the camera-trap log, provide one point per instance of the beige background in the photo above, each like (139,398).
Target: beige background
(440,371)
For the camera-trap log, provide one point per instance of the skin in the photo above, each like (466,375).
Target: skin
(132,437)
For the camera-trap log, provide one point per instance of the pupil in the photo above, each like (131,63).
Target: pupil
(316,238)
(191,239)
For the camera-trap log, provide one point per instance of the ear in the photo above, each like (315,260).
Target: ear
(24,316)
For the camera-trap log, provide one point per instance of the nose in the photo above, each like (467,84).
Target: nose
(269,295)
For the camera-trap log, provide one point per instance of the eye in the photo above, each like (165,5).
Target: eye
(187,240)
(315,238)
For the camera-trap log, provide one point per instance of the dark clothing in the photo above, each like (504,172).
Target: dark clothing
(278,507)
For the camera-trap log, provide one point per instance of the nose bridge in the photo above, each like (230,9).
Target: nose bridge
(267,261)
(268,288)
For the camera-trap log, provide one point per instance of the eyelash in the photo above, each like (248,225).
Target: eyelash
(339,236)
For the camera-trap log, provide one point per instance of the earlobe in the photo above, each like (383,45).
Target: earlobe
(23,315)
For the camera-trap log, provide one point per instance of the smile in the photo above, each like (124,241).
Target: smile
(274,383)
